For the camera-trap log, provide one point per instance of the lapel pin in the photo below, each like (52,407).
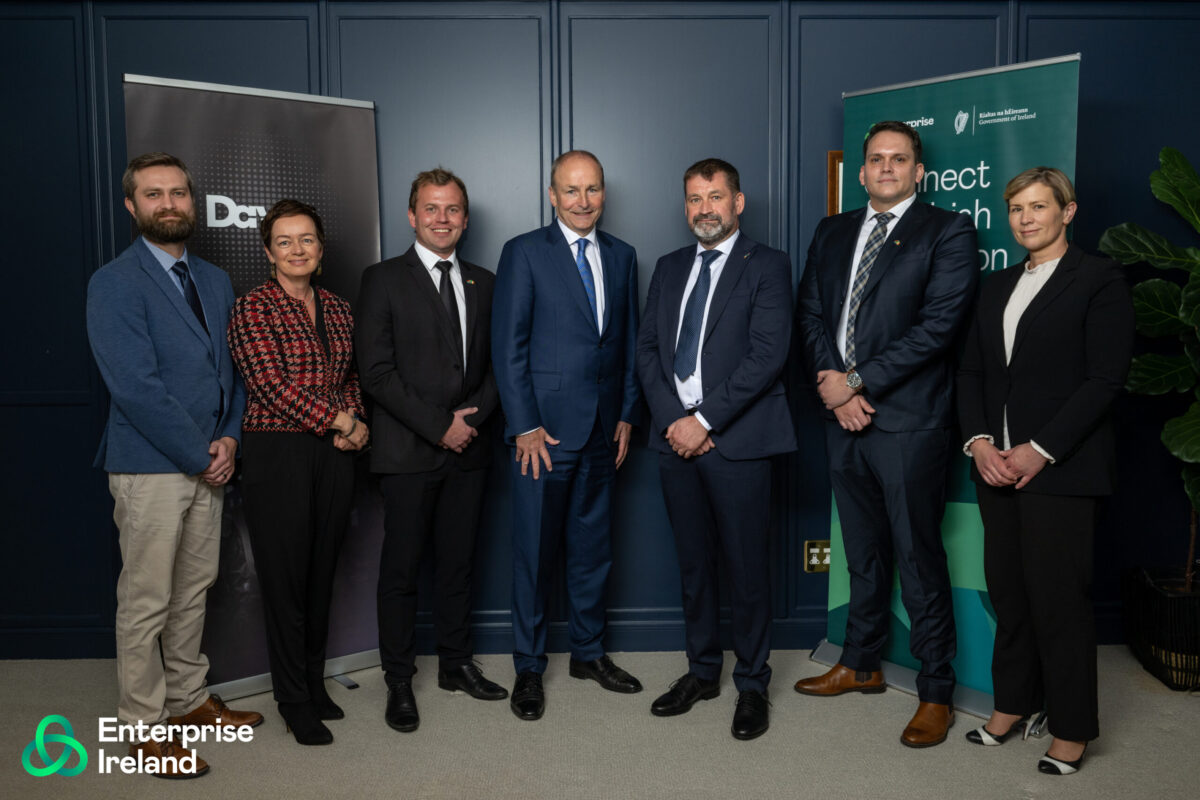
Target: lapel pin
(896,242)
(471,281)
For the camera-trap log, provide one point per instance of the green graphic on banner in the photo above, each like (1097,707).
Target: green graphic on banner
(978,130)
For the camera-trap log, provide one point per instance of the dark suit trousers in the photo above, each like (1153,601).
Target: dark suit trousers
(891,492)
(572,504)
(297,492)
(439,509)
(720,509)
(1037,555)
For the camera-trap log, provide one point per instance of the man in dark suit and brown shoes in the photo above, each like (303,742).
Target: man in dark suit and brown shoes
(424,354)
(885,292)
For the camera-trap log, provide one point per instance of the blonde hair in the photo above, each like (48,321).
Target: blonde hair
(1056,179)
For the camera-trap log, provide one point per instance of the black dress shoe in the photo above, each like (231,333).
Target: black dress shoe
(528,699)
(469,679)
(604,672)
(301,720)
(322,703)
(401,711)
(683,694)
(752,716)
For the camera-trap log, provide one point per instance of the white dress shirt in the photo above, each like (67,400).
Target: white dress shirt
(593,257)
(864,233)
(430,260)
(691,390)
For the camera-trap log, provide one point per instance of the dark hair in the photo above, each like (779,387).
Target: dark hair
(1055,179)
(708,167)
(437,177)
(289,208)
(146,160)
(896,127)
(571,154)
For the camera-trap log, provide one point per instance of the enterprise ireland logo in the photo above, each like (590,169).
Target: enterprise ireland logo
(59,764)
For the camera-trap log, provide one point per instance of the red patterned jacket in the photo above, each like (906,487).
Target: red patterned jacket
(292,384)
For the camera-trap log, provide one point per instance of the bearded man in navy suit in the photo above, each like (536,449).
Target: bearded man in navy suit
(885,293)
(564,328)
(711,350)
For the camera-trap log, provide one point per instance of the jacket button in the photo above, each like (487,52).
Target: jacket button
(215,414)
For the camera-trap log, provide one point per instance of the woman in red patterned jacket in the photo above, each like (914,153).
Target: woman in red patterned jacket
(293,343)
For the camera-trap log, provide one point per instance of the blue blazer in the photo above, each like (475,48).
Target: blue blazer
(166,376)
(917,299)
(742,354)
(553,368)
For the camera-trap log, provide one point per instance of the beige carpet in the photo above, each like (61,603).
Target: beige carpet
(595,744)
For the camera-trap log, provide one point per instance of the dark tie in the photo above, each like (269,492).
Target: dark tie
(870,253)
(446,290)
(189,291)
(688,346)
(585,272)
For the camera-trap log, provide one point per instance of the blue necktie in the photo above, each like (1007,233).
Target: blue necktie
(180,269)
(585,272)
(688,346)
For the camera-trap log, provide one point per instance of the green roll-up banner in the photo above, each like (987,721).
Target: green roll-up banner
(978,130)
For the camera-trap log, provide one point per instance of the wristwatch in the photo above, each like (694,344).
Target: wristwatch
(854,380)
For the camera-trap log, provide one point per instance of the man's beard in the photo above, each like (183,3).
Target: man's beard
(167,231)
(710,229)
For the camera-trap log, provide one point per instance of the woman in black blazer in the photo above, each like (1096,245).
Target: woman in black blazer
(1046,355)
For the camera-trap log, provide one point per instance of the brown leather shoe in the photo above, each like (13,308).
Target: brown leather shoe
(840,680)
(213,709)
(929,725)
(168,760)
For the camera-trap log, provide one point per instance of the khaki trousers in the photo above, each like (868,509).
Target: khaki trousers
(170,539)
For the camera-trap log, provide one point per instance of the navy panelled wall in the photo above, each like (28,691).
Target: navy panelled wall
(493,91)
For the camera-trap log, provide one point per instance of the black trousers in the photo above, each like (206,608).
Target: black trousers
(439,509)
(297,489)
(891,493)
(1037,552)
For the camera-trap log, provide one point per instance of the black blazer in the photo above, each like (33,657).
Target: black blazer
(409,363)
(742,354)
(1070,359)
(917,298)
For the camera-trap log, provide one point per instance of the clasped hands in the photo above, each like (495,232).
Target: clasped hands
(851,409)
(1016,465)
(533,455)
(688,437)
(350,433)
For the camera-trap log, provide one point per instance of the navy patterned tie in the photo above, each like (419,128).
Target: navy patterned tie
(688,346)
(585,272)
(870,253)
(180,269)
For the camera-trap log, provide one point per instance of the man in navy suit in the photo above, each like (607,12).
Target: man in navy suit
(564,328)
(712,346)
(885,293)
(156,319)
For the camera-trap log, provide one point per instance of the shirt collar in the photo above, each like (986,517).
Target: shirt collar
(896,210)
(165,259)
(429,258)
(726,247)
(573,237)
(1045,266)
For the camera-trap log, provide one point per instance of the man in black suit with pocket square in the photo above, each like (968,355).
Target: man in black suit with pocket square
(424,354)
(886,291)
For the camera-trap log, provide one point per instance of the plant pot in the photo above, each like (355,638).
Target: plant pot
(1162,626)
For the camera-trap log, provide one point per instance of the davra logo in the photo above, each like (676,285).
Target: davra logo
(960,122)
(223,212)
(49,765)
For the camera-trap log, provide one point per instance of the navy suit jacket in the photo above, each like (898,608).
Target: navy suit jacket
(916,301)
(553,369)
(742,352)
(173,387)
(1069,362)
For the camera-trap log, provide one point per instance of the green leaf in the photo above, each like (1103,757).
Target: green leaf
(1155,373)
(1130,243)
(1191,484)
(1177,184)
(1156,306)
(1189,302)
(1181,435)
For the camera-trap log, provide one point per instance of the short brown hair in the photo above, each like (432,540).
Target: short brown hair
(571,154)
(437,177)
(896,126)
(708,167)
(146,160)
(1056,179)
(289,208)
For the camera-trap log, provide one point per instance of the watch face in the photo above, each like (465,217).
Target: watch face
(854,380)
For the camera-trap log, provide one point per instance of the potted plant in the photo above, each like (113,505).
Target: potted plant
(1162,610)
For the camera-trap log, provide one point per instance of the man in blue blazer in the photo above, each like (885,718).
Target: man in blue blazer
(885,293)
(713,343)
(156,319)
(564,328)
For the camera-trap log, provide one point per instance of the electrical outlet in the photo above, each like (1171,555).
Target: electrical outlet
(816,555)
